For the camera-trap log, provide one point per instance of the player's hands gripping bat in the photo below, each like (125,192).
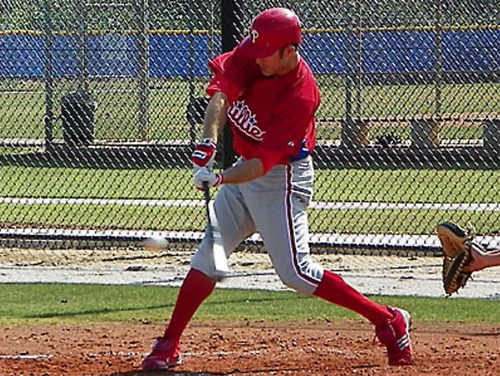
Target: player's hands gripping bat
(205,176)
(220,260)
(456,246)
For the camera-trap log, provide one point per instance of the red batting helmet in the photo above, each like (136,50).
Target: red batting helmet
(271,30)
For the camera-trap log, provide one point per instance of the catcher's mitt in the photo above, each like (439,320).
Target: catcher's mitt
(457,245)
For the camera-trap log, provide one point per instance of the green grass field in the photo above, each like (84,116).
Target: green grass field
(353,185)
(335,185)
(68,303)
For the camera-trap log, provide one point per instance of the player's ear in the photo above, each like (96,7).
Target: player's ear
(288,50)
(293,49)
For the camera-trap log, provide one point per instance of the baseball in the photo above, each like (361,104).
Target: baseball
(155,243)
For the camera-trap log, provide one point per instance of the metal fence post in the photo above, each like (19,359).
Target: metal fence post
(82,46)
(231,17)
(49,79)
(354,130)
(143,53)
(438,56)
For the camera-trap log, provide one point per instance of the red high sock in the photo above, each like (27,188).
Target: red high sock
(335,290)
(194,290)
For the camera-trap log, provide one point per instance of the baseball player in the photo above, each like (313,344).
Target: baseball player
(268,94)
(482,259)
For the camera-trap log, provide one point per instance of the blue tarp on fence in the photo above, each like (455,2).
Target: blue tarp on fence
(186,55)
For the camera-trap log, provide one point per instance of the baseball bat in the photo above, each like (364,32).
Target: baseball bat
(220,259)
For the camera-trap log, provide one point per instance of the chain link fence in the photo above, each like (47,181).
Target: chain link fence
(101,103)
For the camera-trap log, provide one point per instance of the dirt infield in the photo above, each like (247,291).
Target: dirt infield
(246,348)
(326,348)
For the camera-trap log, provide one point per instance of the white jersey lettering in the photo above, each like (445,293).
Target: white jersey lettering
(246,122)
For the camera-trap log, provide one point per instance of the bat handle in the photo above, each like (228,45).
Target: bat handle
(206,192)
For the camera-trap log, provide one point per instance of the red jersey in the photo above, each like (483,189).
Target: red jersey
(272,119)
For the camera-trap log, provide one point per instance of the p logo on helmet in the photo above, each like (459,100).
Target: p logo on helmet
(254,34)
(272,30)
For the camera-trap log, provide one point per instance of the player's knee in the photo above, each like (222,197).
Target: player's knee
(301,286)
(203,259)
(305,281)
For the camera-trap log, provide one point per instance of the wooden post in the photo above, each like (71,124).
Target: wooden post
(424,133)
(354,133)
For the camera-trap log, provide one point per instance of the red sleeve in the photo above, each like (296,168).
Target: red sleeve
(232,73)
